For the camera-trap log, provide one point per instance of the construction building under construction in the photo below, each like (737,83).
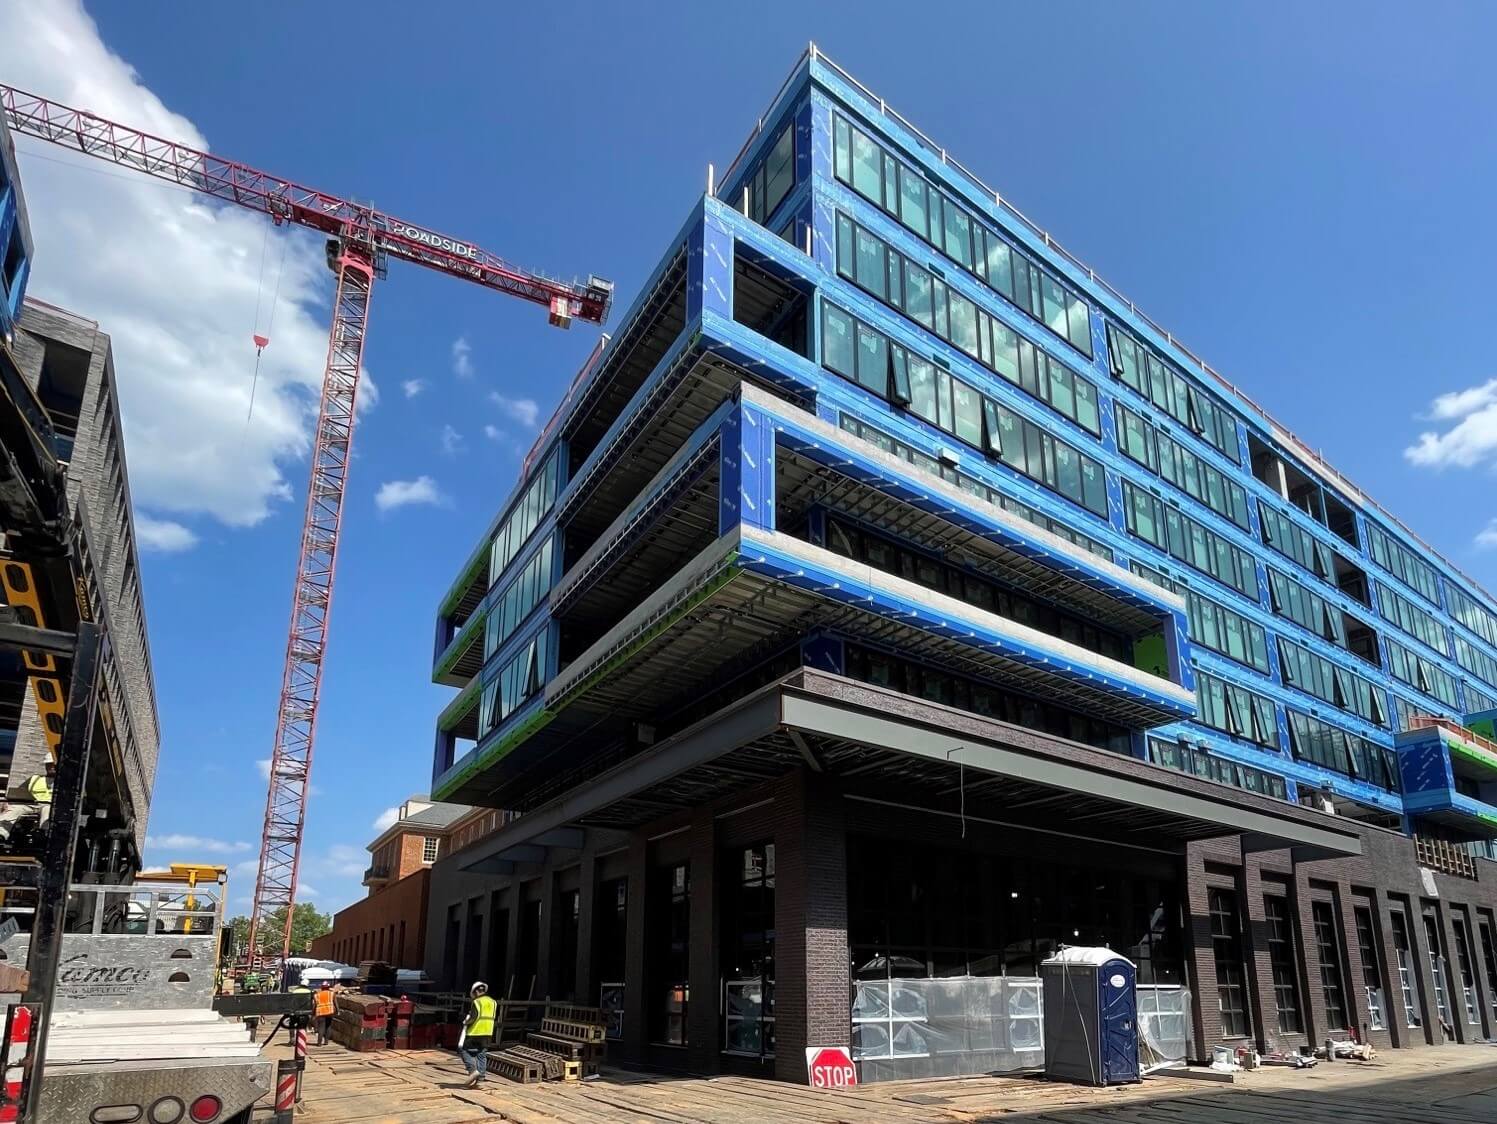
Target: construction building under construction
(63,429)
(890,603)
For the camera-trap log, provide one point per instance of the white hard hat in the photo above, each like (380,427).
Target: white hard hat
(478,985)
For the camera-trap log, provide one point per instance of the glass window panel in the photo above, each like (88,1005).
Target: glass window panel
(1057,316)
(1087,415)
(1068,472)
(958,235)
(968,413)
(943,401)
(1000,275)
(867,167)
(1062,390)
(923,388)
(912,201)
(1079,332)
(842,149)
(870,262)
(963,323)
(917,296)
(845,252)
(1094,487)
(837,349)
(873,361)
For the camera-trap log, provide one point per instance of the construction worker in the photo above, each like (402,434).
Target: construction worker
(326,1004)
(36,804)
(478,1033)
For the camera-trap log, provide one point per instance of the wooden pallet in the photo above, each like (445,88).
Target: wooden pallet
(566,1028)
(516,1067)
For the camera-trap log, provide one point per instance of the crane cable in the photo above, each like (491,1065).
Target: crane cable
(263,341)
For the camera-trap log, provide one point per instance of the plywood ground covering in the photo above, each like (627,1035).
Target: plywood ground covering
(1452,1085)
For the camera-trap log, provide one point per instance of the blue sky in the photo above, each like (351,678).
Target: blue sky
(1300,192)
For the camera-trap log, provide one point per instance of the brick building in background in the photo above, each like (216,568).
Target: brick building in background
(389,925)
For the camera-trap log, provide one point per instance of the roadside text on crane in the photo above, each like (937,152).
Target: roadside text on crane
(435,241)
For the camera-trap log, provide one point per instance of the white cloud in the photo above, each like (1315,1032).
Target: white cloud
(386,819)
(1470,441)
(524,411)
(403,493)
(1487,536)
(492,432)
(162,536)
(248,868)
(305,892)
(462,358)
(196,843)
(1459,403)
(413,387)
(452,441)
(174,279)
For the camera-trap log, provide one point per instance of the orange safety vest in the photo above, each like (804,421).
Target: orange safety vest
(326,1004)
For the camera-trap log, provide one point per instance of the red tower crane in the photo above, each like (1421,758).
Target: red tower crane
(360,242)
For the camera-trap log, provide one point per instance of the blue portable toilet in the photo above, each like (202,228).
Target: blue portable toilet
(1091,1017)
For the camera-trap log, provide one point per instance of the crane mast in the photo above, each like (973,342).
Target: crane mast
(360,243)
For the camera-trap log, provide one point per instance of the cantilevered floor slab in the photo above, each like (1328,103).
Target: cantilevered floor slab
(881,745)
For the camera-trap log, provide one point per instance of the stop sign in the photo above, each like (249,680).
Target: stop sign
(830,1067)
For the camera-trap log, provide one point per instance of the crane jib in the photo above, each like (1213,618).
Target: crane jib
(434,241)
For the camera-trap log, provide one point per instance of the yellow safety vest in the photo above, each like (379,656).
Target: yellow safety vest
(485,1007)
(39,790)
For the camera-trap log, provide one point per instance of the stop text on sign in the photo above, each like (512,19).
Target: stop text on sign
(830,1067)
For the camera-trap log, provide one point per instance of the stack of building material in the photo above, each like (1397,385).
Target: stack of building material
(400,1012)
(427,1028)
(568,1046)
(362,1022)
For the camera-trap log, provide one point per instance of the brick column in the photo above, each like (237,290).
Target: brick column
(1357,1011)
(812,976)
(1399,1032)
(1259,967)
(1198,951)
(703,1005)
(1315,1019)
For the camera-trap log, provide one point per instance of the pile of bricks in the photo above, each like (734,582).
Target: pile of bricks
(362,1021)
(568,1047)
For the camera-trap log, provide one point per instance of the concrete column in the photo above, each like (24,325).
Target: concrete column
(632,1041)
(587,889)
(512,940)
(543,953)
(702,1013)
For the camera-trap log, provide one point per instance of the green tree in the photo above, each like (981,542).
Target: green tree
(306,925)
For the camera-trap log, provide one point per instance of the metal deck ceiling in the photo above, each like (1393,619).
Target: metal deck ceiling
(632,355)
(662,536)
(802,481)
(697,383)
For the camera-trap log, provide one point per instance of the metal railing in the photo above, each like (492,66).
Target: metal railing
(1450,725)
(1278,430)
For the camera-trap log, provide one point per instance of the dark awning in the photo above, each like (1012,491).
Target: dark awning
(871,741)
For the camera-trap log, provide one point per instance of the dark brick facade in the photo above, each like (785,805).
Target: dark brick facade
(1386,877)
